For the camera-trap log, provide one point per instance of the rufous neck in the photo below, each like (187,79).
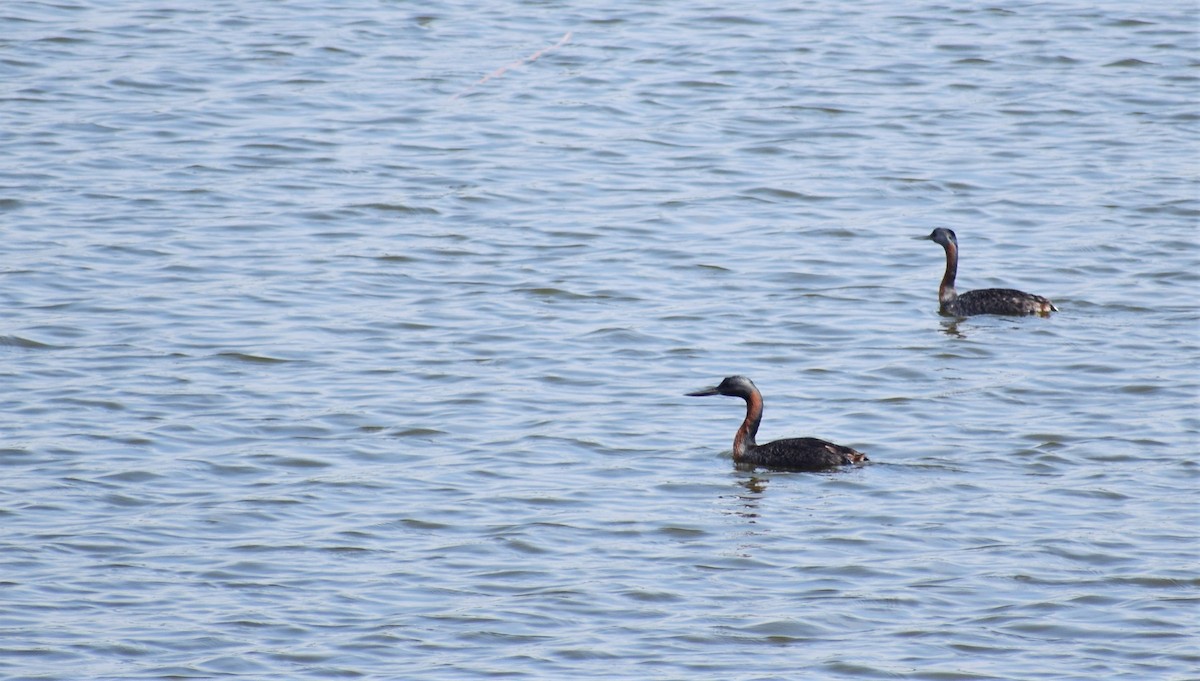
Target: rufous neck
(744,440)
(946,291)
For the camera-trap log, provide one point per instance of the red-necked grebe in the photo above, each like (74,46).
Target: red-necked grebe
(799,454)
(983,301)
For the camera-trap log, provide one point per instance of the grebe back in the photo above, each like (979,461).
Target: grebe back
(802,453)
(981,301)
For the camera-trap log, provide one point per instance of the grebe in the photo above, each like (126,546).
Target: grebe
(985,300)
(800,454)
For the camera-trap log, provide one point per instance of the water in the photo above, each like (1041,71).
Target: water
(348,340)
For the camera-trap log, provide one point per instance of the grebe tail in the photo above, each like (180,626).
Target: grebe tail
(1004,301)
(798,454)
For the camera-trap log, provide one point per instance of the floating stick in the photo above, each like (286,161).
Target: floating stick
(527,60)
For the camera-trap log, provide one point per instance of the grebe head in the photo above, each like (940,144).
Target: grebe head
(733,386)
(942,236)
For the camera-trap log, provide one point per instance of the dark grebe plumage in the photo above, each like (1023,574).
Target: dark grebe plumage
(985,300)
(800,454)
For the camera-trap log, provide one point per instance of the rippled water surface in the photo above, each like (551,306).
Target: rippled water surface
(349,339)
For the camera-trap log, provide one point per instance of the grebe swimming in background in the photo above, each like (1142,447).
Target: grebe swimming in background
(801,453)
(985,300)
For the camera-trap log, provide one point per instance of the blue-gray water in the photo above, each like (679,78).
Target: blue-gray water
(327,355)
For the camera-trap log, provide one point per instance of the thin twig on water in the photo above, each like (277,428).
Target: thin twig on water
(527,60)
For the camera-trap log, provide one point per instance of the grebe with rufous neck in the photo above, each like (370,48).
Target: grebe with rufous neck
(985,300)
(798,454)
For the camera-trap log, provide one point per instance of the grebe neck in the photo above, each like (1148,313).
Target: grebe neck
(946,292)
(743,442)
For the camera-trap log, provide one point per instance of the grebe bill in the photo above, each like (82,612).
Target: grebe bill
(1005,301)
(799,454)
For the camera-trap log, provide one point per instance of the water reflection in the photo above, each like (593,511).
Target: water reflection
(754,484)
(749,500)
(950,328)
